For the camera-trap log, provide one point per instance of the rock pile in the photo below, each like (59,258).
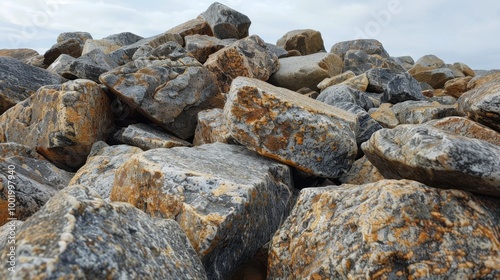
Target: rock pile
(206,153)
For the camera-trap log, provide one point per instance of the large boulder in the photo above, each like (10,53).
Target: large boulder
(226,22)
(60,121)
(387,230)
(281,124)
(212,127)
(202,46)
(416,112)
(369,46)
(147,137)
(92,64)
(191,27)
(72,47)
(77,235)
(22,55)
(466,127)
(227,199)
(343,93)
(305,41)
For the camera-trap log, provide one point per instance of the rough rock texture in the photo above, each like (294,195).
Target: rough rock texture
(367,125)
(22,55)
(70,47)
(436,158)
(77,235)
(306,71)
(98,173)
(416,112)
(156,42)
(359,82)
(406,61)
(387,230)
(61,121)
(358,61)
(436,78)
(19,81)
(212,127)
(192,27)
(91,65)
(344,93)
(228,200)
(467,128)
(111,43)
(305,41)
(201,46)
(61,66)
(336,80)
(169,89)
(9,229)
(147,137)
(81,36)
(226,22)
(384,115)
(33,178)
(402,87)
(281,124)
(482,104)
(492,76)
(362,172)
(247,57)
(456,87)
(369,46)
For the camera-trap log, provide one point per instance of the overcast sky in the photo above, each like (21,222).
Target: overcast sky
(465,31)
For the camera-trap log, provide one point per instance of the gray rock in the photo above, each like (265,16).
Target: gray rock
(278,51)
(358,61)
(367,125)
(61,66)
(343,93)
(191,27)
(91,65)
(384,115)
(34,180)
(406,61)
(211,128)
(79,35)
(70,47)
(124,38)
(218,193)
(146,137)
(417,112)
(19,81)
(306,71)
(201,46)
(305,41)
(284,125)
(387,230)
(402,87)
(436,158)
(369,46)
(157,45)
(378,78)
(430,61)
(226,22)
(23,55)
(9,230)
(467,128)
(77,235)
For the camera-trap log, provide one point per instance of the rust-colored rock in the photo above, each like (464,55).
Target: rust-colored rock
(467,128)
(148,137)
(456,87)
(212,127)
(192,27)
(202,46)
(305,41)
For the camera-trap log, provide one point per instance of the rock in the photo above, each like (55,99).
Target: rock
(226,22)
(218,193)
(91,65)
(61,66)
(278,51)
(359,62)
(33,179)
(367,125)
(70,47)
(22,55)
(402,87)
(170,90)
(146,137)
(384,115)
(212,127)
(430,61)
(306,71)
(465,127)
(489,76)
(36,61)
(77,235)
(111,42)
(359,82)
(466,70)
(61,121)
(387,230)
(369,46)
(157,42)
(291,128)
(436,78)
(336,80)
(362,172)
(416,112)
(192,27)
(80,36)
(247,57)
(378,78)
(201,46)
(342,93)
(406,61)
(456,87)
(436,158)
(17,81)
(306,41)
(445,100)
(124,38)
(9,230)
(98,173)
(482,104)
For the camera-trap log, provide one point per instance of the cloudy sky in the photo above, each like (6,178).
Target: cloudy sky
(465,31)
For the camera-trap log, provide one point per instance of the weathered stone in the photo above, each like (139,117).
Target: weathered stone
(384,115)
(226,22)
(306,41)
(98,173)
(336,80)
(445,100)
(427,62)
(124,38)
(378,78)
(36,61)
(278,51)
(416,112)
(157,42)
(8,231)
(436,158)
(367,125)
(402,87)
(201,46)
(61,66)
(33,179)
(306,71)
(22,55)
(436,78)
(467,128)
(369,46)
(359,62)
(77,235)
(91,65)
(212,127)
(82,37)
(169,90)
(359,82)
(406,61)
(61,121)
(362,172)
(192,27)
(456,87)
(489,76)
(342,93)
(19,81)
(247,57)
(104,45)
(281,124)
(387,230)
(146,137)
(457,73)
(70,47)
(218,193)
(466,70)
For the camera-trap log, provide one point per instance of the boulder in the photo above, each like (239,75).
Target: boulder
(33,179)
(402,87)
(278,51)
(416,112)
(218,193)
(305,41)
(467,128)
(201,46)
(429,61)
(169,89)
(287,126)
(362,172)
(78,235)
(61,121)
(358,61)
(22,55)
(192,27)
(124,38)
(70,47)
(369,46)
(406,61)
(387,230)
(465,69)
(456,87)
(306,71)
(359,82)
(17,81)
(247,57)
(80,36)
(492,76)
(99,170)
(212,127)
(62,66)
(436,158)
(482,104)
(436,78)
(343,93)
(367,125)
(147,137)
(226,22)
(336,80)
(91,65)
(384,115)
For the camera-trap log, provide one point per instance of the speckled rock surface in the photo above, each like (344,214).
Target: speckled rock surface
(387,230)
(343,93)
(9,230)
(201,46)
(34,180)
(416,112)
(72,47)
(61,66)
(212,127)
(284,125)
(226,22)
(436,78)
(337,79)
(147,137)
(456,87)
(384,115)
(362,172)
(402,87)
(305,41)
(22,54)
(370,46)
(248,57)
(191,27)
(99,170)
(367,125)
(467,128)
(61,121)
(169,89)
(92,64)
(228,200)
(77,235)
(436,158)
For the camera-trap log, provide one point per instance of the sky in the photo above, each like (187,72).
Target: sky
(455,31)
